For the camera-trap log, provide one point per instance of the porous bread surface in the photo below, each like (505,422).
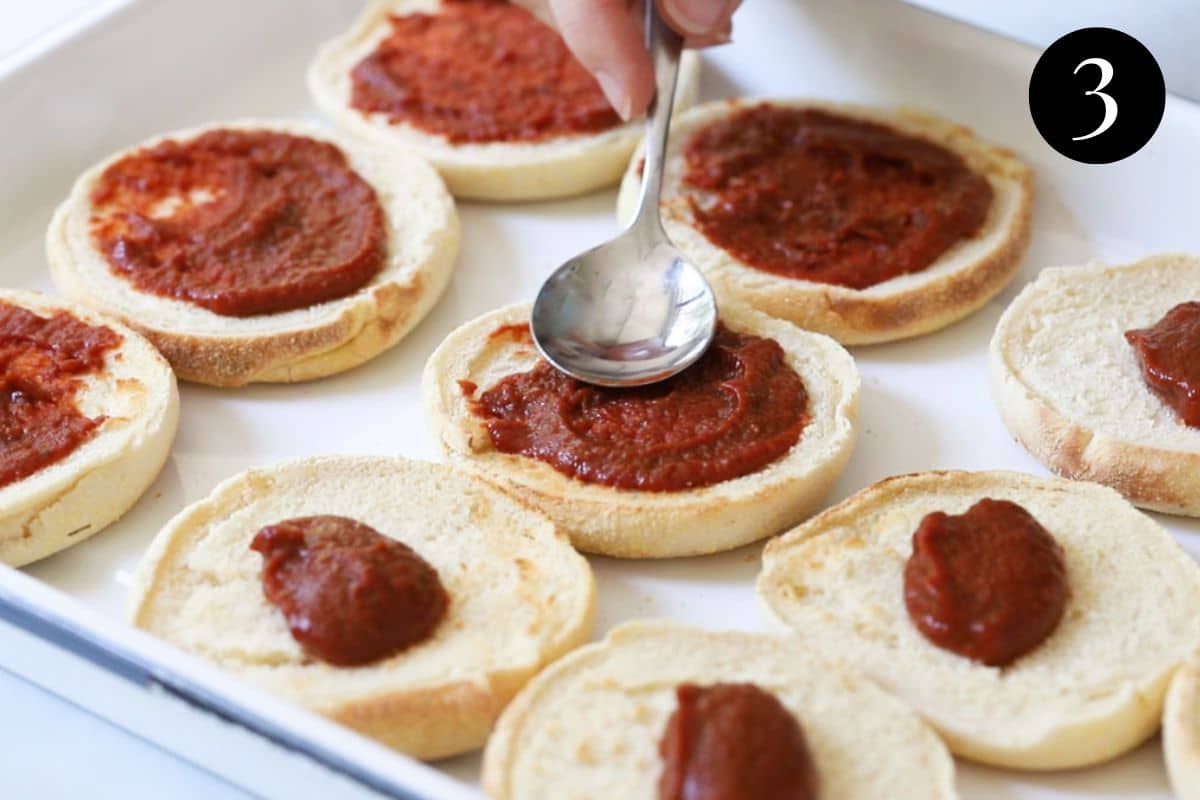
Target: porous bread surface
(302,344)
(72,499)
(1070,388)
(1092,690)
(1181,731)
(589,726)
(640,524)
(958,283)
(519,595)
(554,167)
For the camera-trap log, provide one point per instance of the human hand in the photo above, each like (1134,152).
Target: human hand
(608,38)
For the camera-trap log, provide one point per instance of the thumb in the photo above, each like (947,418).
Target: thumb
(698,19)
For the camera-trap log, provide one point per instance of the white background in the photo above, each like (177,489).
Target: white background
(50,748)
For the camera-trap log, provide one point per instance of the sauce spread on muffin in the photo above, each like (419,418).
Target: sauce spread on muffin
(351,595)
(989,584)
(240,222)
(480,71)
(822,197)
(43,361)
(733,412)
(733,741)
(1169,355)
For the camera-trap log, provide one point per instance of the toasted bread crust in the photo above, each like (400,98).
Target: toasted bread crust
(305,344)
(1149,475)
(71,500)
(1181,731)
(506,171)
(960,282)
(637,524)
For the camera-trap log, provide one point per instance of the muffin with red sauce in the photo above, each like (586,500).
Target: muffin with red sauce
(866,225)
(405,600)
(88,412)
(258,251)
(662,710)
(484,91)
(1034,622)
(1096,372)
(742,444)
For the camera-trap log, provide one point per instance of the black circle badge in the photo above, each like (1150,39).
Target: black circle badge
(1097,95)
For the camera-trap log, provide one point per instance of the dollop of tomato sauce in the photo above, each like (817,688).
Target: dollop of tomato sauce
(480,71)
(989,584)
(734,741)
(736,410)
(1169,355)
(43,363)
(240,222)
(351,595)
(822,197)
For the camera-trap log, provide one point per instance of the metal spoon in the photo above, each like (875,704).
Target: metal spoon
(631,311)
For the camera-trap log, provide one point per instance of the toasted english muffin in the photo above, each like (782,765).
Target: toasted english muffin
(1181,731)
(519,596)
(589,726)
(543,169)
(422,235)
(1091,690)
(1069,387)
(649,524)
(956,284)
(68,500)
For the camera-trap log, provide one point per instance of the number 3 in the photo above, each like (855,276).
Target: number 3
(1110,105)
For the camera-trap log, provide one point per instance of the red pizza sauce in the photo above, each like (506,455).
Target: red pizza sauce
(480,71)
(821,197)
(734,741)
(43,361)
(1169,354)
(990,584)
(240,222)
(351,595)
(734,411)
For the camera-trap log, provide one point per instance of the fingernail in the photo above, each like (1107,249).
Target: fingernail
(696,17)
(618,98)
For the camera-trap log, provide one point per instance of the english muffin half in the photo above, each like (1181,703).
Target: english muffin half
(521,119)
(864,224)
(1181,731)
(1071,387)
(744,443)
(88,413)
(595,724)
(1084,689)
(297,615)
(296,253)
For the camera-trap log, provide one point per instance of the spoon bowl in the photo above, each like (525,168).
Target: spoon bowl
(625,313)
(632,311)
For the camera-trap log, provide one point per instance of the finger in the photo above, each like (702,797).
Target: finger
(608,41)
(722,36)
(698,19)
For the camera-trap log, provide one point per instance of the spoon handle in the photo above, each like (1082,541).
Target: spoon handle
(664,45)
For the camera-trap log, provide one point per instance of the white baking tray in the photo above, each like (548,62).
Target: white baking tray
(135,69)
